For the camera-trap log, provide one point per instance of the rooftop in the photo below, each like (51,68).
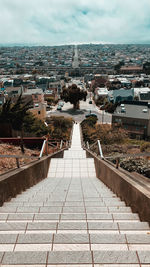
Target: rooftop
(133,111)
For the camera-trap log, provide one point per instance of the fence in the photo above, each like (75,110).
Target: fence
(48,148)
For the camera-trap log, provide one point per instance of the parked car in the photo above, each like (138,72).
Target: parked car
(48,107)
(91,115)
(59,108)
(61,104)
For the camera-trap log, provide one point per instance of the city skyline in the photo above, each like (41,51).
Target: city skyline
(57,22)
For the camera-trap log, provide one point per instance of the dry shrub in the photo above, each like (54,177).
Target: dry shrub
(109,135)
(10,163)
(145,147)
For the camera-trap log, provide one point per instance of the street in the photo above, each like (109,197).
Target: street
(79,115)
(85,107)
(75,62)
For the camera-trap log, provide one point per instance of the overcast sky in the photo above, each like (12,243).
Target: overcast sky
(55,22)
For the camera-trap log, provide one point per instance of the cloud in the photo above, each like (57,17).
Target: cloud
(54,22)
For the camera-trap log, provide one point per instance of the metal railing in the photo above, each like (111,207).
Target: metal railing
(48,148)
(44,146)
(114,157)
(99,147)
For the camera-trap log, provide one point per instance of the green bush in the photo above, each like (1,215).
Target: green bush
(51,100)
(101,101)
(34,125)
(59,127)
(109,107)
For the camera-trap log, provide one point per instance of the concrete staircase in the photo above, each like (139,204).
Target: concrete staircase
(71,219)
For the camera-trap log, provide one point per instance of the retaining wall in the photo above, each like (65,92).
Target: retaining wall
(130,191)
(18,180)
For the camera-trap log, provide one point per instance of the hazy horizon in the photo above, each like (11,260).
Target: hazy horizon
(43,45)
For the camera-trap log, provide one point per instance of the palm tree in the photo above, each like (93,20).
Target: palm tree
(14,115)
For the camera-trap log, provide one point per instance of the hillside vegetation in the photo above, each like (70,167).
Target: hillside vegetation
(115,142)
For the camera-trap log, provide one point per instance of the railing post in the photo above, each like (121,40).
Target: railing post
(17,161)
(100,149)
(117,162)
(88,145)
(61,144)
(47,147)
(42,150)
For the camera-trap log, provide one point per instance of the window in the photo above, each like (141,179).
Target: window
(39,112)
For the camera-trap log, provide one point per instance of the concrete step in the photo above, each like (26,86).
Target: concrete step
(74,242)
(100,217)
(73,225)
(101,203)
(75,258)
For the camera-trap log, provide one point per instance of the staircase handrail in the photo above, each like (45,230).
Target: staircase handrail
(100,149)
(42,149)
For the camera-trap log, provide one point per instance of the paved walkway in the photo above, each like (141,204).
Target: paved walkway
(71,219)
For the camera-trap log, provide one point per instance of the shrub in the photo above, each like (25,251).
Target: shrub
(145,146)
(103,132)
(101,101)
(59,127)
(90,121)
(109,107)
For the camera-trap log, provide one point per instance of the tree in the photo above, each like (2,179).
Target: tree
(101,101)
(73,94)
(14,115)
(34,126)
(136,98)
(59,127)
(146,67)
(109,107)
(118,66)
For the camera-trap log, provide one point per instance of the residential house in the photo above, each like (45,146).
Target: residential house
(143,93)
(39,104)
(101,92)
(39,111)
(37,94)
(118,96)
(14,91)
(99,81)
(134,117)
(113,83)
(2,98)
(131,69)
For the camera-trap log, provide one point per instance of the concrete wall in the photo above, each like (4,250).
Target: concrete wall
(130,191)
(16,181)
